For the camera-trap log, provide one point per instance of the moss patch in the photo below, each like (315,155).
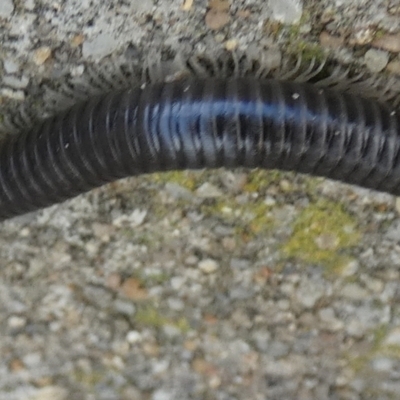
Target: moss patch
(187,179)
(321,232)
(150,316)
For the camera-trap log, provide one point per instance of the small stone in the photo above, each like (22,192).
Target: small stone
(393,231)
(124,307)
(136,218)
(216,19)
(329,41)
(177,282)
(327,241)
(350,268)
(375,285)
(176,304)
(187,5)
(285,185)
(51,393)
(354,291)
(11,66)
(208,191)
(208,266)
(307,294)
(114,281)
(77,70)
(41,55)
(133,337)
(231,44)
(32,360)
(382,364)
(393,337)
(132,288)
(102,231)
(99,47)
(394,68)
(388,42)
(77,40)
(16,322)
(29,5)
(18,95)
(376,60)
(6,8)
(262,339)
(16,365)
(177,191)
(362,35)
(327,315)
(162,394)
(286,11)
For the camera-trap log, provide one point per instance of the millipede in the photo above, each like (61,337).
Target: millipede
(202,122)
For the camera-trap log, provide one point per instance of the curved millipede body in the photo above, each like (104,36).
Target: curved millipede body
(193,124)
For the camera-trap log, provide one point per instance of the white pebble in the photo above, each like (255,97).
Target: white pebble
(6,8)
(376,60)
(286,11)
(133,337)
(208,266)
(100,47)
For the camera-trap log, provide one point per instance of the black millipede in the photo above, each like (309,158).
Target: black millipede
(201,123)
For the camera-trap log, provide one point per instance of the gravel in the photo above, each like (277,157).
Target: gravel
(186,286)
(6,8)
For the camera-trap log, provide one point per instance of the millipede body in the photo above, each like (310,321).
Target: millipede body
(201,123)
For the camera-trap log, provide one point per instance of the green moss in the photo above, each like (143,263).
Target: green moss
(87,378)
(259,180)
(320,233)
(360,362)
(308,51)
(186,179)
(249,218)
(155,278)
(150,316)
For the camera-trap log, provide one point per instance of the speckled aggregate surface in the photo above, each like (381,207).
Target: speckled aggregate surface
(199,285)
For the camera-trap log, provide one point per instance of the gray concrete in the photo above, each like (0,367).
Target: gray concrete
(210,285)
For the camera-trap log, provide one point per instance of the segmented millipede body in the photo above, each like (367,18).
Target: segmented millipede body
(201,123)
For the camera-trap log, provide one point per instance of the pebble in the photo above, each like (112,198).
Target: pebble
(133,337)
(330,41)
(134,219)
(99,47)
(208,191)
(286,11)
(394,68)
(376,60)
(308,293)
(177,191)
(124,307)
(15,82)
(176,304)
(6,8)
(218,14)
(41,55)
(262,340)
(350,268)
(327,315)
(388,42)
(162,394)
(51,393)
(18,95)
(353,291)
(11,66)
(382,364)
(208,266)
(16,322)
(393,337)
